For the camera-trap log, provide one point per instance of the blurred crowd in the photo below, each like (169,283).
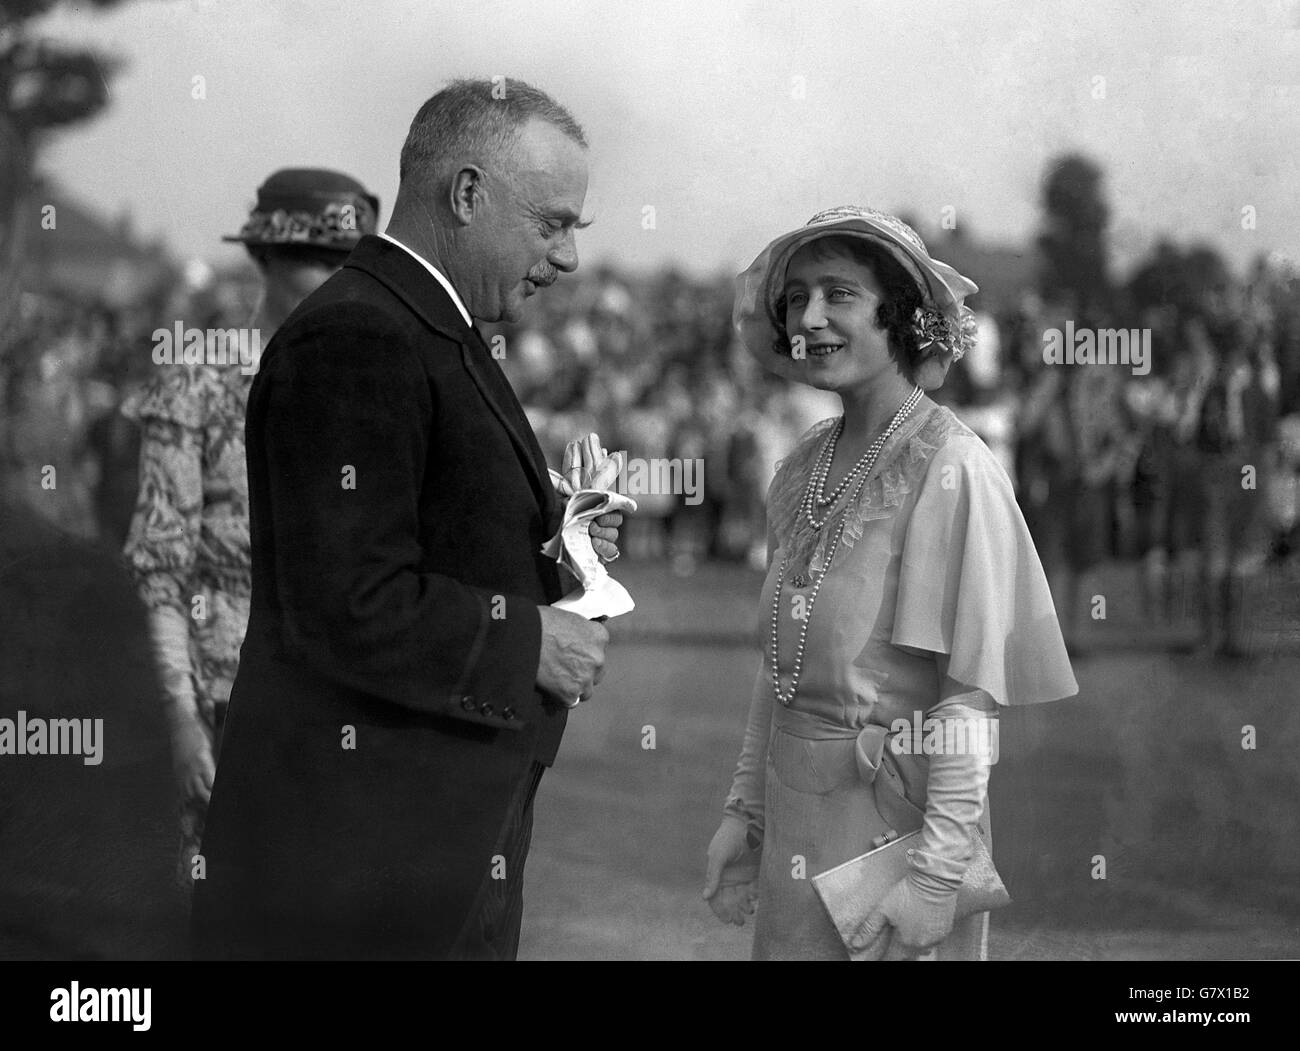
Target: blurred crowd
(1107,464)
(1188,466)
(67,364)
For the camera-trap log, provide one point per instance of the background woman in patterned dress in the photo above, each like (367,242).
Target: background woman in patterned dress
(188,547)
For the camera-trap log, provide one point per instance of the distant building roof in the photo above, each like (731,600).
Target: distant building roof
(86,253)
(1004,273)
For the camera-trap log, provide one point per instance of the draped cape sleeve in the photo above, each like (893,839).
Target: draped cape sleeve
(970,583)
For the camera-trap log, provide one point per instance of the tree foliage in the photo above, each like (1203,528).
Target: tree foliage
(1073,239)
(43,85)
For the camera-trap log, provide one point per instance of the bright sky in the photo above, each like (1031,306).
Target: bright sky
(734,121)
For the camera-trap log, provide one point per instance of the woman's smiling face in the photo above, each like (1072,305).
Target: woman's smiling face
(831,300)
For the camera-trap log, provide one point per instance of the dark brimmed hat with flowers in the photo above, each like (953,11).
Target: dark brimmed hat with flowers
(310,208)
(945,326)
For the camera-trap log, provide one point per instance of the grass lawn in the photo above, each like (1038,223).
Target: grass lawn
(1145,768)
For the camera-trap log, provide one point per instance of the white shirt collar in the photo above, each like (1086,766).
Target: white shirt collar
(438,276)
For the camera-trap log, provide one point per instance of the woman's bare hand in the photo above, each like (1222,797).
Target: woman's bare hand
(731,873)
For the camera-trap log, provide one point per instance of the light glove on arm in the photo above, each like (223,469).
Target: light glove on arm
(918,911)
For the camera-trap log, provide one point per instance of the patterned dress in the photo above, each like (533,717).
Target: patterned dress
(188,546)
(934,558)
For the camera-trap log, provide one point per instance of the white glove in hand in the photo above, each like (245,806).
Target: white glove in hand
(589,473)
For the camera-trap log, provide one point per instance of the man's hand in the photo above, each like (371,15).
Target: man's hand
(604,535)
(572,659)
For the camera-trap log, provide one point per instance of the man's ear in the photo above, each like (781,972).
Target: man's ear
(466,196)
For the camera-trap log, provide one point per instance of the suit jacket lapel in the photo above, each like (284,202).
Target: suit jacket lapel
(499,395)
(404,275)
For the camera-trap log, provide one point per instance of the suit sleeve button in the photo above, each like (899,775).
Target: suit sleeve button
(467,703)
(486,708)
(507,712)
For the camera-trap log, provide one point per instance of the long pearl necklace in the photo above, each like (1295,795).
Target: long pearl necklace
(812,496)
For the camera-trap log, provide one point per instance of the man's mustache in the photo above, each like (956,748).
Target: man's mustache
(544,278)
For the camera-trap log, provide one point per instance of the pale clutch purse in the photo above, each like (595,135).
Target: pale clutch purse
(852,890)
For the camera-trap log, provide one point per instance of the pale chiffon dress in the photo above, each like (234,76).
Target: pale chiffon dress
(935,558)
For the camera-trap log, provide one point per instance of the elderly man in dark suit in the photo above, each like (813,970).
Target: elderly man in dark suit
(403,683)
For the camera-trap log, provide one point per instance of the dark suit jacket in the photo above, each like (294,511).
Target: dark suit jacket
(385,712)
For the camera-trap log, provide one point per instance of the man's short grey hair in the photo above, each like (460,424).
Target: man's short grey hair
(477,121)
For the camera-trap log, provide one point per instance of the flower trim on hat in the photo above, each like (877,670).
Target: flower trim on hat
(328,228)
(938,336)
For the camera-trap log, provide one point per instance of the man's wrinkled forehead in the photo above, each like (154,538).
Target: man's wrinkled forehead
(554,190)
(548,160)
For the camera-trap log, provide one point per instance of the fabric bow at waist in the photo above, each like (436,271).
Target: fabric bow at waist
(878,766)
(877,763)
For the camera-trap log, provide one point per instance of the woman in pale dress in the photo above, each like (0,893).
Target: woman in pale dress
(902,586)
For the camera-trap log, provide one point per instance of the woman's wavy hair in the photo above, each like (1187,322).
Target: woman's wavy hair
(899,298)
